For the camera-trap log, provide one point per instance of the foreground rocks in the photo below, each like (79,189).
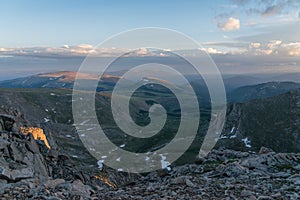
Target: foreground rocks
(30,170)
(222,174)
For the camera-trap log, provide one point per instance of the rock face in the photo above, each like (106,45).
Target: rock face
(37,133)
(6,122)
(20,157)
(29,169)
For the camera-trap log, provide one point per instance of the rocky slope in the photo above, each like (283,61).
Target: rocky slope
(30,170)
(223,174)
(272,122)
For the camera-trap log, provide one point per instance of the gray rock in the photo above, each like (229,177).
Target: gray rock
(232,169)
(23,173)
(78,186)
(297,167)
(179,180)
(189,183)
(294,179)
(53,183)
(246,193)
(265,150)
(7,122)
(64,186)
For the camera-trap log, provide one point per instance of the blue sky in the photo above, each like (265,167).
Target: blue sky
(30,23)
(59,22)
(230,29)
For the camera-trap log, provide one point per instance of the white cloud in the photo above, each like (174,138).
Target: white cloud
(290,49)
(274,44)
(230,25)
(255,45)
(79,50)
(85,46)
(142,51)
(272,47)
(212,50)
(276,47)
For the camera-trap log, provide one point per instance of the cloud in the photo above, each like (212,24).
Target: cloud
(81,50)
(264,8)
(275,47)
(272,10)
(274,44)
(142,51)
(230,25)
(255,45)
(290,49)
(212,51)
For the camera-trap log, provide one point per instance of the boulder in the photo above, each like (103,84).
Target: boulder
(232,169)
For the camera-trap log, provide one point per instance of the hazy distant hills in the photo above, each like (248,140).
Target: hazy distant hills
(63,79)
(239,88)
(260,91)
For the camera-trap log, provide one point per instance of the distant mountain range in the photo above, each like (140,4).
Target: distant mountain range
(63,79)
(239,88)
(260,91)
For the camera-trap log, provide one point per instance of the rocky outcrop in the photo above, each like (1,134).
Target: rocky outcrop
(37,133)
(20,155)
(29,169)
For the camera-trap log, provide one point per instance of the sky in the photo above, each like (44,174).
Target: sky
(264,34)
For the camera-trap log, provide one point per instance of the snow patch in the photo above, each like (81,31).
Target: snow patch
(232,129)
(45,85)
(46,120)
(223,137)
(247,142)
(100,164)
(164,163)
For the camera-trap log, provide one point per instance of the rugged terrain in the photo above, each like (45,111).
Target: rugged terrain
(30,170)
(243,167)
